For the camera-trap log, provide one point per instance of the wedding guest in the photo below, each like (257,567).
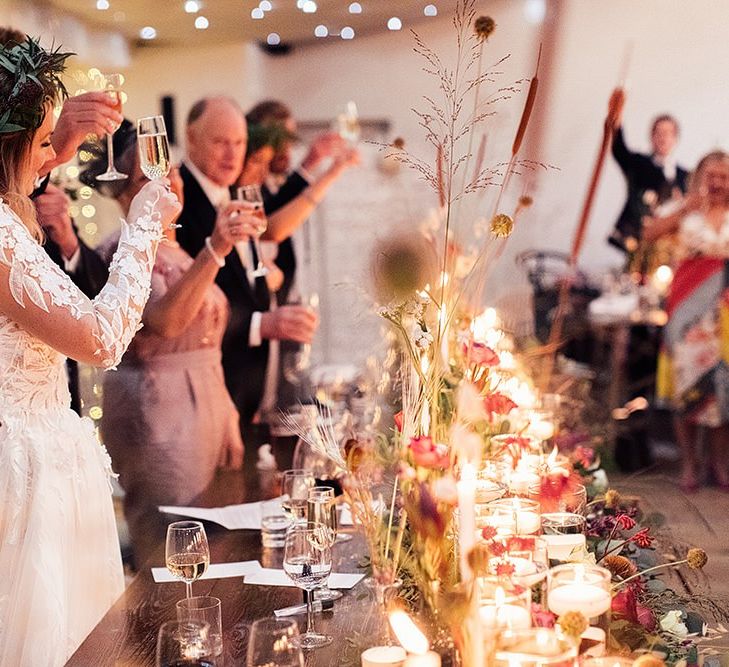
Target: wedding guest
(216,141)
(693,369)
(59,549)
(651,179)
(168,420)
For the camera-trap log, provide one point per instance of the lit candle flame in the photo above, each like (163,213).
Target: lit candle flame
(409,635)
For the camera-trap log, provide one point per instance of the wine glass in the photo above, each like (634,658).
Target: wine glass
(187,554)
(252,193)
(274,643)
(322,511)
(154,149)
(347,124)
(112,85)
(308,563)
(184,643)
(295,487)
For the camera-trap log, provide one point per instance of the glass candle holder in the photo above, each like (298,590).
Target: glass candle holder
(607,661)
(522,557)
(537,423)
(574,500)
(513,516)
(537,647)
(503,605)
(487,488)
(514,444)
(583,588)
(564,533)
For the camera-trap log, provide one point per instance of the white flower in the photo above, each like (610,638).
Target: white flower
(673,623)
(600,481)
(422,339)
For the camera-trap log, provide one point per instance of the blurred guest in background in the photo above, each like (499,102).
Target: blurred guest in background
(694,367)
(216,141)
(651,179)
(168,420)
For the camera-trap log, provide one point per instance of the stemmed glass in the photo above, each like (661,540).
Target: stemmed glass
(295,487)
(187,554)
(347,124)
(308,563)
(322,511)
(184,643)
(154,149)
(274,643)
(112,85)
(252,193)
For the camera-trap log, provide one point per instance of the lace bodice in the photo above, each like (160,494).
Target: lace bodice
(698,237)
(44,316)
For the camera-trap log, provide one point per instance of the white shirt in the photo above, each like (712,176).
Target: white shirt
(219,195)
(668,165)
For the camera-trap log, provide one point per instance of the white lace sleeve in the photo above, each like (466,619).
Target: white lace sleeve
(41,298)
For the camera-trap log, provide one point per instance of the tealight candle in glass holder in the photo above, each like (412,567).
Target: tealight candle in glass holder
(503,605)
(573,500)
(607,661)
(564,533)
(488,489)
(536,647)
(514,444)
(522,557)
(537,423)
(513,516)
(583,588)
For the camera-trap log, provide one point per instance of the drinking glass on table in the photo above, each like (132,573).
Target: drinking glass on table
(204,609)
(295,487)
(113,87)
(252,193)
(187,554)
(322,511)
(308,563)
(154,149)
(274,643)
(184,644)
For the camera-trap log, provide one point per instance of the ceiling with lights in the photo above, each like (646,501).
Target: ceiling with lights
(199,22)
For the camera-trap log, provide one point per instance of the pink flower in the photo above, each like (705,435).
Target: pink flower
(625,605)
(428,454)
(499,404)
(542,618)
(583,456)
(481,354)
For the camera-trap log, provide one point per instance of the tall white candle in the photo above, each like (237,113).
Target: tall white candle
(587,598)
(466,517)
(384,656)
(429,659)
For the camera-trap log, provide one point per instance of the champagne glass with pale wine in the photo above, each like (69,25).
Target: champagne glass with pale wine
(295,487)
(187,554)
(154,149)
(112,85)
(252,193)
(322,511)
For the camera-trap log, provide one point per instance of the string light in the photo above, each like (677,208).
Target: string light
(192,6)
(321,31)
(309,7)
(257,13)
(265,5)
(274,39)
(430,10)
(355,8)
(347,33)
(394,23)
(201,23)
(102,5)
(148,32)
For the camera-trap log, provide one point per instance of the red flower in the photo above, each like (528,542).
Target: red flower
(520,543)
(481,354)
(398,417)
(499,404)
(643,539)
(497,548)
(429,455)
(505,569)
(625,605)
(625,522)
(488,532)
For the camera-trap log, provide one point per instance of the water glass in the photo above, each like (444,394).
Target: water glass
(184,644)
(207,610)
(274,643)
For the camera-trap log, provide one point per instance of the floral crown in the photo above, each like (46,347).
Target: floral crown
(29,77)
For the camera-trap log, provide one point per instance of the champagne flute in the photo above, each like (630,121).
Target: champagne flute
(322,511)
(112,85)
(308,563)
(274,643)
(348,124)
(184,644)
(295,487)
(252,193)
(154,149)
(187,554)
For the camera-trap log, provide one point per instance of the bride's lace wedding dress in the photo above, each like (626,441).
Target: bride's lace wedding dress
(59,550)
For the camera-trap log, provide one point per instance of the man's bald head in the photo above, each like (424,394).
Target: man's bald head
(216,139)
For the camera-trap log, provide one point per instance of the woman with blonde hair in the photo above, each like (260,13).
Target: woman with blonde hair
(59,550)
(694,363)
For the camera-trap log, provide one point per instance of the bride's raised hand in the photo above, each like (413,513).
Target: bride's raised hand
(155,199)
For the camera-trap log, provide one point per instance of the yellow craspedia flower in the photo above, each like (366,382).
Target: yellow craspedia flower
(502,225)
(573,624)
(696,558)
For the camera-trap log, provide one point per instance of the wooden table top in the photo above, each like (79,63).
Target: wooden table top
(126,636)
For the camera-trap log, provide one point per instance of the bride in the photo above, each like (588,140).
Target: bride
(59,551)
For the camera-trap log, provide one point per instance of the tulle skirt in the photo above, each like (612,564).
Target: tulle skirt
(59,548)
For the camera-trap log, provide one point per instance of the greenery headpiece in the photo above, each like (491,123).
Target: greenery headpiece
(267,134)
(29,78)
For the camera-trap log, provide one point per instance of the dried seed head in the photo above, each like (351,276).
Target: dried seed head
(619,566)
(573,624)
(483,26)
(612,499)
(696,558)
(502,225)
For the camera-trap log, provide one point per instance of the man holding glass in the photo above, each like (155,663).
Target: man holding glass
(216,144)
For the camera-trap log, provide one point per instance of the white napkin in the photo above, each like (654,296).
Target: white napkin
(345,516)
(215,571)
(233,517)
(270,577)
